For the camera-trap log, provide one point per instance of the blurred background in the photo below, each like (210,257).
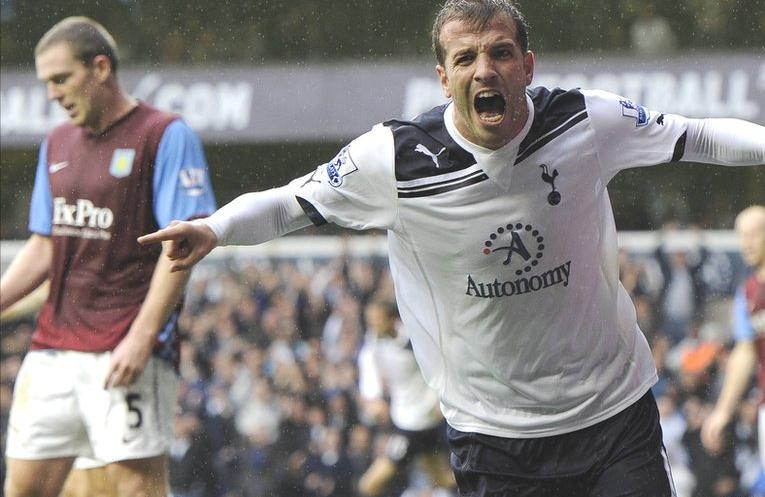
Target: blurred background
(270,403)
(276,87)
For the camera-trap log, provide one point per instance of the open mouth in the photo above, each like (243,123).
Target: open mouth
(490,106)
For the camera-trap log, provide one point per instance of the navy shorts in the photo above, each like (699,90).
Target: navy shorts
(622,456)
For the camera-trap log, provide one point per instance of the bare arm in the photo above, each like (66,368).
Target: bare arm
(738,372)
(28,270)
(27,306)
(129,357)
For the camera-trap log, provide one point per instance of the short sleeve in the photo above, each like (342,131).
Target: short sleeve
(357,188)
(742,327)
(182,188)
(41,208)
(629,135)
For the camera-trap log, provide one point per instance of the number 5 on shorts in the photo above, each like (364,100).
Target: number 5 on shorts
(132,399)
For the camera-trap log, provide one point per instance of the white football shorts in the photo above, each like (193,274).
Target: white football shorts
(83,462)
(60,408)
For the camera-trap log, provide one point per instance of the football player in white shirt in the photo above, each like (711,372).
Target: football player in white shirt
(386,363)
(502,246)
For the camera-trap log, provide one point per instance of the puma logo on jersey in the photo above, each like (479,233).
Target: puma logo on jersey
(57,166)
(424,150)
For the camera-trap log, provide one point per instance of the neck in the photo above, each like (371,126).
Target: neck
(115,107)
(519,122)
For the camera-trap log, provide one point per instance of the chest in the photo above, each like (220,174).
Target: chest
(555,205)
(97,170)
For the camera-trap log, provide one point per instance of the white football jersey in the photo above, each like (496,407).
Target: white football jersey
(389,362)
(505,261)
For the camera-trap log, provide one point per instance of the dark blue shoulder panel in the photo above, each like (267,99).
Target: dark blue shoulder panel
(555,111)
(424,147)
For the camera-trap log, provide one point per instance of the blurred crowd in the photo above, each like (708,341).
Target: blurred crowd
(254,31)
(269,403)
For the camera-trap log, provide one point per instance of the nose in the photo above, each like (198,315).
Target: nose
(484,69)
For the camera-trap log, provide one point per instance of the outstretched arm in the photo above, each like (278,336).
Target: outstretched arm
(728,142)
(28,270)
(249,219)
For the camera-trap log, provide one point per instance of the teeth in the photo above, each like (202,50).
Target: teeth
(488,93)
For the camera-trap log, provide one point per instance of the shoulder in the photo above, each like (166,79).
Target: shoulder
(155,122)
(555,111)
(155,116)
(553,107)
(430,121)
(604,105)
(178,130)
(424,148)
(550,104)
(64,133)
(370,151)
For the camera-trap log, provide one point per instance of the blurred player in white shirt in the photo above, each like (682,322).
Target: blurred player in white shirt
(387,364)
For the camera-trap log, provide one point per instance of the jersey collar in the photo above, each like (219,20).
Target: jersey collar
(497,164)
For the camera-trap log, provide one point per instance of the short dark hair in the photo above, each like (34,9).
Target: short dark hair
(85,37)
(478,13)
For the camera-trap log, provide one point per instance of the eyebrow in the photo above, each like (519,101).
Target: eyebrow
(509,43)
(505,43)
(462,51)
(57,75)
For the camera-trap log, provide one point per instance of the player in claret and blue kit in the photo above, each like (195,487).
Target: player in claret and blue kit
(100,379)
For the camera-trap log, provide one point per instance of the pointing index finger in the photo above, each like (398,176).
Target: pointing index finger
(165,234)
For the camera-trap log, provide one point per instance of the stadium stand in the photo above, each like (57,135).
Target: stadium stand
(269,403)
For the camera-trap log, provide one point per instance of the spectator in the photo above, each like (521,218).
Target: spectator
(191,456)
(682,291)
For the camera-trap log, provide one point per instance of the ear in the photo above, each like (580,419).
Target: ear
(444,80)
(528,66)
(102,67)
